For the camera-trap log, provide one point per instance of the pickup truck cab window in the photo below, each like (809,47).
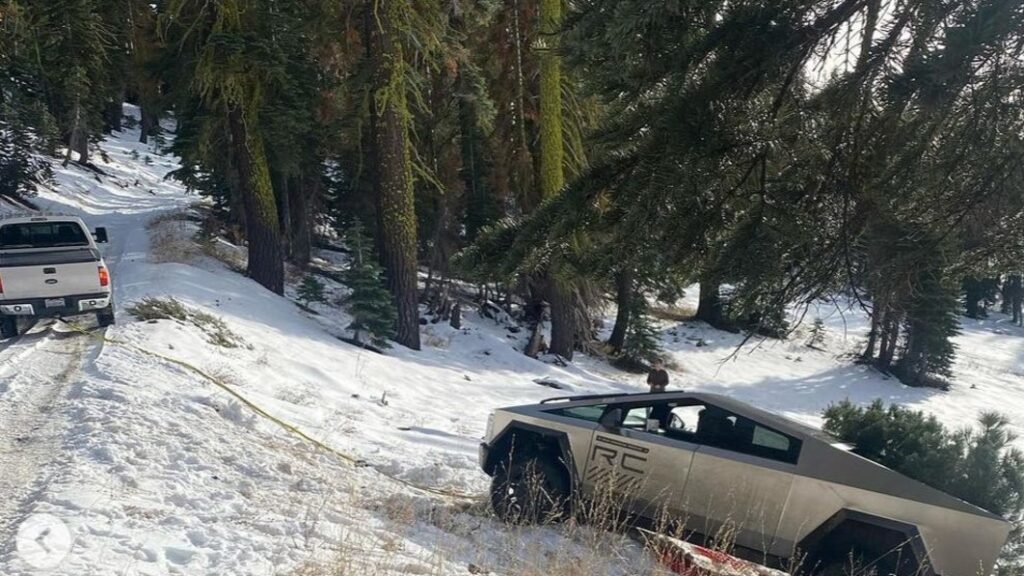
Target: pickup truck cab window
(51,234)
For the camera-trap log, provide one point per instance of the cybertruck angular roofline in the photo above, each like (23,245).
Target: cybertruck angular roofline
(870,474)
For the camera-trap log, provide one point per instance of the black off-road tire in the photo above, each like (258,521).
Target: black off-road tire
(856,562)
(841,568)
(105,317)
(8,327)
(531,490)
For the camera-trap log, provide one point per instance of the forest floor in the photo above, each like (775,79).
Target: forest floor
(153,469)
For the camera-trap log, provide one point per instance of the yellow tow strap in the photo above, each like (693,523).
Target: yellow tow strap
(349,459)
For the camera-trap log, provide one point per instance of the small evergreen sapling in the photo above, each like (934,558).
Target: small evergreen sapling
(311,290)
(816,339)
(370,303)
(641,346)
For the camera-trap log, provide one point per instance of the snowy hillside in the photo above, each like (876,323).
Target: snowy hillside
(155,470)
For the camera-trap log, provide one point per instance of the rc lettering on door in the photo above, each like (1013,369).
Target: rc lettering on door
(616,465)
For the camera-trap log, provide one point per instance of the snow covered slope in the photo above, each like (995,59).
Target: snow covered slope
(154,470)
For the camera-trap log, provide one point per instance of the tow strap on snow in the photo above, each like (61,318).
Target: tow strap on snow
(348,458)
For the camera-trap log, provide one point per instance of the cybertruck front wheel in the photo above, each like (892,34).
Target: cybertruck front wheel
(530,490)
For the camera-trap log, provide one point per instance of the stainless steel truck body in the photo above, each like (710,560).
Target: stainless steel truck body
(784,493)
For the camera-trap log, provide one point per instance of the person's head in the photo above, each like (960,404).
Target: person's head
(658,363)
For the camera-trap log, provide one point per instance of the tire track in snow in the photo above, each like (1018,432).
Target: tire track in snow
(35,376)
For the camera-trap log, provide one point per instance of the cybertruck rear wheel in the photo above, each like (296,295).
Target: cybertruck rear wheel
(530,490)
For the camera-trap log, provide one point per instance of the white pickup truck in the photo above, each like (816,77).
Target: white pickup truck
(50,266)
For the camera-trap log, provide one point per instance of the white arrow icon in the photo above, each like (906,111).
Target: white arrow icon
(43,541)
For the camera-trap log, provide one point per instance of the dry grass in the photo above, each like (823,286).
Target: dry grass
(216,330)
(429,537)
(185,236)
(673,313)
(170,238)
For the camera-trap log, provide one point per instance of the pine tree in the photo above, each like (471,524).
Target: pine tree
(979,465)
(395,207)
(642,338)
(370,303)
(817,336)
(143,76)
(73,44)
(930,324)
(311,290)
(552,171)
(228,60)
(21,169)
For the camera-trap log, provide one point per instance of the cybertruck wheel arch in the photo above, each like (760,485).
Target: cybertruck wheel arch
(876,534)
(522,438)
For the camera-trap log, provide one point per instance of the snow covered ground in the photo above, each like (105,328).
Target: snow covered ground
(154,470)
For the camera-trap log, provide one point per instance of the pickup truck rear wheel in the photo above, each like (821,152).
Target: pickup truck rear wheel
(530,490)
(8,326)
(105,317)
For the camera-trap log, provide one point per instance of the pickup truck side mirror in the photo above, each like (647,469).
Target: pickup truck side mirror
(611,419)
(100,235)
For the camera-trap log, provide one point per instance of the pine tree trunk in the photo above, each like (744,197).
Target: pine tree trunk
(303,191)
(78,139)
(1018,316)
(1015,293)
(890,339)
(146,124)
(534,317)
(552,176)
(112,113)
(973,294)
(395,207)
(1006,304)
(869,350)
(563,321)
(623,295)
(477,202)
(266,264)
(709,307)
(282,195)
(82,146)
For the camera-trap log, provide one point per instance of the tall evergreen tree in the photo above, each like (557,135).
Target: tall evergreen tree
(395,205)
(73,43)
(228,59)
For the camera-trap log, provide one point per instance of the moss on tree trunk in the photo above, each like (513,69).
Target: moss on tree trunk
(395,207)
(552,176)
(262,229)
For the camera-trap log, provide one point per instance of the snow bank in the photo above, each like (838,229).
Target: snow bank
(157,471)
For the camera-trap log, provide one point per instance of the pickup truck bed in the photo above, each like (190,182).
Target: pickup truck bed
(50,266)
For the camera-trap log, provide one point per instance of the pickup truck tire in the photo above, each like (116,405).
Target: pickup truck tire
(530,490)
(105,317)
(8,326)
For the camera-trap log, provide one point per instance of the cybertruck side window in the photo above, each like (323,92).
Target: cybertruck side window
(709,425)
(723,429)
(588,413)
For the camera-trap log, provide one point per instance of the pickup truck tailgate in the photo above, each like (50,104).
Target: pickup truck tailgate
(48,281)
